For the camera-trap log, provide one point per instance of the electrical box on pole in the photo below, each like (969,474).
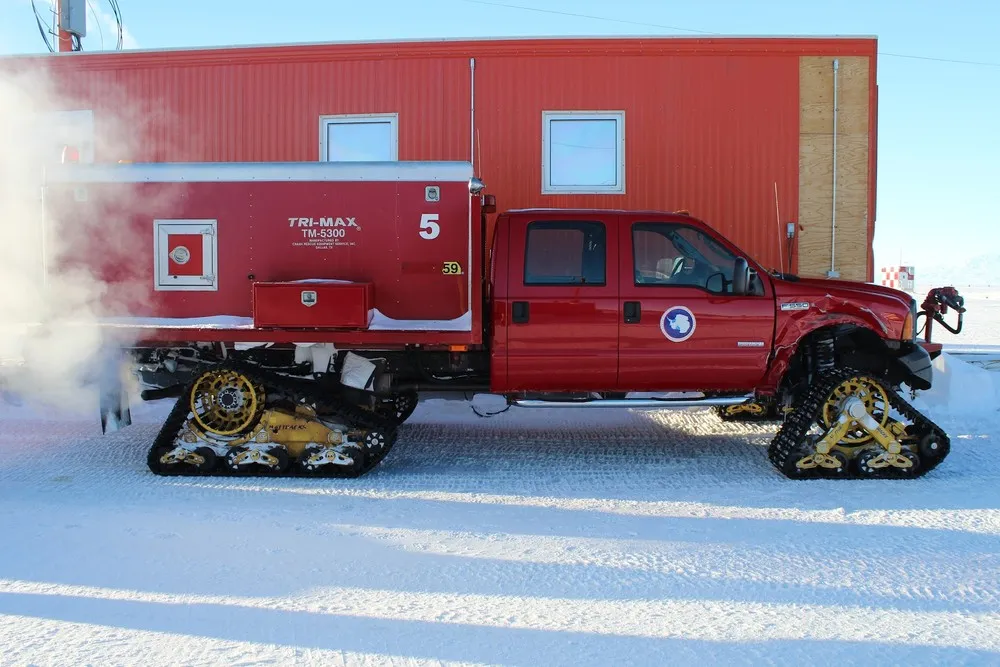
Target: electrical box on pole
(73,17)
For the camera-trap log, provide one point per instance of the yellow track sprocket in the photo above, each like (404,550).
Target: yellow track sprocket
(225,402)
(875,399)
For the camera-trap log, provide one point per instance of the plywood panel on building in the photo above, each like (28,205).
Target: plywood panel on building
(816,163)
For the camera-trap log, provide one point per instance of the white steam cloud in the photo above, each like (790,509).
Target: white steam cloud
(53,246)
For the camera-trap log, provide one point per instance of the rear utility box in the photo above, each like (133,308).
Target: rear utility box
(320,304)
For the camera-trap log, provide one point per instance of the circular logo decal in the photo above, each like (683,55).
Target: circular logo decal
(180,254)
(677,324)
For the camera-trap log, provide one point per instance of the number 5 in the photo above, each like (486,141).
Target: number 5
(429,228)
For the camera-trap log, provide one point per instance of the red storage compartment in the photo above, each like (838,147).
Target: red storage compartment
(313,304)
(354,253)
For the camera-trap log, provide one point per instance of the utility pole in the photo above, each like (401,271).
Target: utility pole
(65,41)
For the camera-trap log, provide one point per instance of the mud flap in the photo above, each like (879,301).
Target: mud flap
(916,368)
(116,412)
(115,416)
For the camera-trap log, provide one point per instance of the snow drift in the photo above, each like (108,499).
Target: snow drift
(960,389)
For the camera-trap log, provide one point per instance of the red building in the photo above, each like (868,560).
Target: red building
(739,131)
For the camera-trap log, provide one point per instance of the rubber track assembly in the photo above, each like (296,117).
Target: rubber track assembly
(379,428)
(923,445)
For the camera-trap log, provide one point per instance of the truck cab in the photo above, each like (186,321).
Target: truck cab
(590,308)
(607,303)
(625,301)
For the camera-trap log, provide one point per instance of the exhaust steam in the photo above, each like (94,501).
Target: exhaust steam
(65,262)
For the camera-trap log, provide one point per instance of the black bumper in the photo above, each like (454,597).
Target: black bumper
(915,367)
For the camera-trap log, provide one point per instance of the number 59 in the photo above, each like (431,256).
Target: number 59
(429,228)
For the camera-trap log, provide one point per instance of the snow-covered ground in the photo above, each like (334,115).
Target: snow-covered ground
(529,538)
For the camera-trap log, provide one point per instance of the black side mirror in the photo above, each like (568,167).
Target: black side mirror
(716,283)
(741,276)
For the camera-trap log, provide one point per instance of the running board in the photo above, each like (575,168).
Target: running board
(642,403)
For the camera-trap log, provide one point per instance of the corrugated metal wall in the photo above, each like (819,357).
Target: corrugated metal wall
(708,134)
(711,125)
(270,111)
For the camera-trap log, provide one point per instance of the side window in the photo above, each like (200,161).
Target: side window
(561,252)
(668,254)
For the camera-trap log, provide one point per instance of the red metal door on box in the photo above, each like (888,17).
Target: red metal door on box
(563,303)
(681,328)
(186,255)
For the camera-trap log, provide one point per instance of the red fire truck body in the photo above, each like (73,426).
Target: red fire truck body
(300,310)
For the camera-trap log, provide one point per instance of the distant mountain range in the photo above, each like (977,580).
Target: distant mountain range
(979,271)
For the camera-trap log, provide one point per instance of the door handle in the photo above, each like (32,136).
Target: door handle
(519,312)
(632,312)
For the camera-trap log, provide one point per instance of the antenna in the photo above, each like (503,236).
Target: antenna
(777,216)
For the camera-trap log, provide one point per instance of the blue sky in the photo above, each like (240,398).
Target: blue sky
(939,123)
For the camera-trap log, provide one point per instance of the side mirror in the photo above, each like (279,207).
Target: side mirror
(741,276)
(716,283)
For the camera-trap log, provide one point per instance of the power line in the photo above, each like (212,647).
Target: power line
(587,16)
(41,27)
(940,60)
(703,32)
(118,20)
(97,20)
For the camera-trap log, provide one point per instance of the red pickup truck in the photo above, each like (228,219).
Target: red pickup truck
(299,312)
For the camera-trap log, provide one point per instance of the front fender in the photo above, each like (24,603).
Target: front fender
(794,326)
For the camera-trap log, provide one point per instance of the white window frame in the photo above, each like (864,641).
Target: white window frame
(618,117)
(352,119)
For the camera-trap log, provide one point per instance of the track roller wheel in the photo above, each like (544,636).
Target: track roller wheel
(398,409)
(907,463)
(876,463)
(867,463)
(180,460)
(377,445)
(842,468)
(336,461)
(799,463)
(256,461)
(929,446)
(805,462)
(751,411)
(854,425)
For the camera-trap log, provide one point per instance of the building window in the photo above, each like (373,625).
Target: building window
(365,138)
(561,252)
(583,152)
